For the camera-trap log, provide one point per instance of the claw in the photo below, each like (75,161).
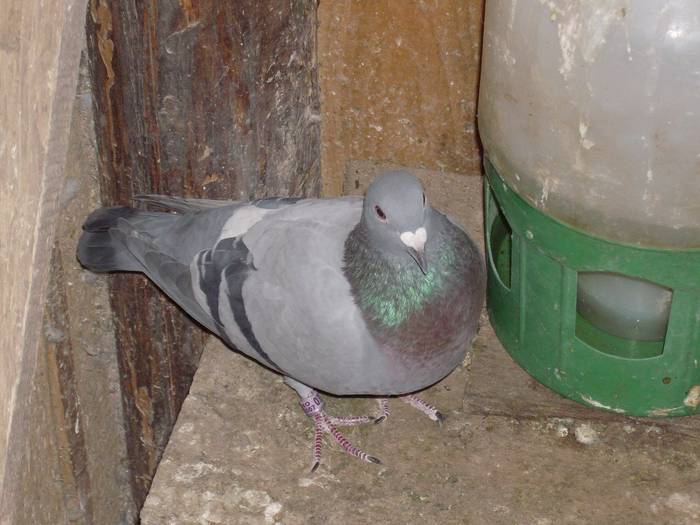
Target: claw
(384,408)
(372,459)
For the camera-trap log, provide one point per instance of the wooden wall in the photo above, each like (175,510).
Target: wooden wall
(399,84)
(39,55)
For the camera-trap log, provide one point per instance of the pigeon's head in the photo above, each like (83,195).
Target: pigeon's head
(396,215)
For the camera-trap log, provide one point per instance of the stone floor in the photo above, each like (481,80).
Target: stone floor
(241,453)
(509,452)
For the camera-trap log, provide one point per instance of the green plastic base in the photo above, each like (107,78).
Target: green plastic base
(533,263)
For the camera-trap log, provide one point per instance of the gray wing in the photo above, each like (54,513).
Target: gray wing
(274,285)
(199,260)
(219,262)
(170,275)
(165,246)
(299,303)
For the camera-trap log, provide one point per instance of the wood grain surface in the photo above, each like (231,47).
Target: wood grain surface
(39,55)
(399,84)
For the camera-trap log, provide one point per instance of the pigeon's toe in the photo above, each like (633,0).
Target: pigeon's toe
(428,409)
(383,410)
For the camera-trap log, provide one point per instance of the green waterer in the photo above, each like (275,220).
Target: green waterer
(589,115)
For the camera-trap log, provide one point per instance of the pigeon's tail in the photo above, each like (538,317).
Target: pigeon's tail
(101,247)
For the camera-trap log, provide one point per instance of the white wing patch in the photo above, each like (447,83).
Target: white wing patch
(242,220)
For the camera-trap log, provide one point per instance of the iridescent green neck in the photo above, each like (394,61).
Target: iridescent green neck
(390,290)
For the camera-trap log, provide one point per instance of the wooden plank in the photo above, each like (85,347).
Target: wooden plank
(215,99)
(399,84)
(68,416)
(88,330)
(72,460)
(38,75)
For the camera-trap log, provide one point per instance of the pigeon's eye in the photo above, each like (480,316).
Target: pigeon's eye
(380,213)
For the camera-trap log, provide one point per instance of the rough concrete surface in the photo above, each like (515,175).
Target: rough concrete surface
(241,453)
(241,449)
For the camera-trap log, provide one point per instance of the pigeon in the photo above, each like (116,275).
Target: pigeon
(375,296)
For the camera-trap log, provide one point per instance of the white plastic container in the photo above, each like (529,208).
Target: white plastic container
(590,110)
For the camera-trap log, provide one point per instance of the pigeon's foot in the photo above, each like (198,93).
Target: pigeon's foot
(312,404)
(428,409)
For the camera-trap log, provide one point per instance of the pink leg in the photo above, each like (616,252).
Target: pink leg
(428,409)
(319,429)
(348,421)
(312,404)
(346,445)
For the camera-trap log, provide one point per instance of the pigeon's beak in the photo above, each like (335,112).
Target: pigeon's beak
(419,257)
(415,242)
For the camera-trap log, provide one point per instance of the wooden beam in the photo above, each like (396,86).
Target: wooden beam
(39,56)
